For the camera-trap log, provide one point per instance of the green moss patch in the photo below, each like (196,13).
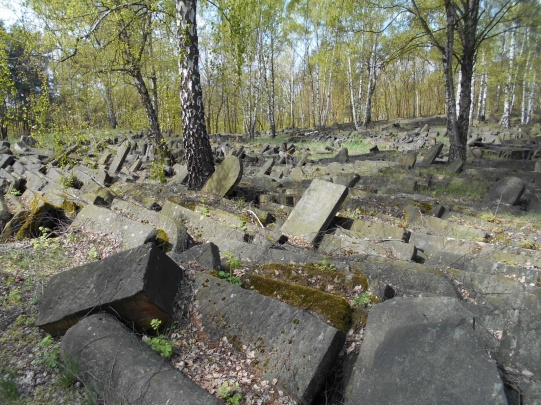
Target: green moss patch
(313,275)
(334,309)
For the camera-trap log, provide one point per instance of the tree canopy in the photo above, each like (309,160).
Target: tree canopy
(272,64)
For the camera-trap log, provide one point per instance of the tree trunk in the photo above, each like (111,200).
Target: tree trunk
(197,149)
(450,102)
(482,100)
(111,114)
(372,76)
(509,88)
(148,105)
(352,95)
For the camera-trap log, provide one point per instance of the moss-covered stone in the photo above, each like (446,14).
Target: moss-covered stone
(41,213)
(314,275)
(336,310)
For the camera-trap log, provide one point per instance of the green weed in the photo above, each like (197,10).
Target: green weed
(160,343)
(230,394)
(324,265)
(8,388)
(363,300)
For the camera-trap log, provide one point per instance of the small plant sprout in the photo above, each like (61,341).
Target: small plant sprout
(160,343)
(93,253)
(363,300)
(230,394)
(231,263)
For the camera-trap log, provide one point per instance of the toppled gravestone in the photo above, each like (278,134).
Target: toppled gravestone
(290,345)
(225,178)
(314,211)
(121,368)
(99,219)
(432,154)
(120,157)
(137,285)
(423,351)
(507,191)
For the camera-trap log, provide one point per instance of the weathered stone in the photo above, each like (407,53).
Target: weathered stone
(407,160)
(376,230)
(14,224)
(343,243)
(104,157)
(431,155)
(120,157)
(537,167)
(314,211)
(450,229)
(521,345)
(342,156)
(266,168)
(507,191)
(456,166)
(181,174)
(290,344)
(407,278)
(225,178)
(136,165)
(116,364)
(137,285)
(423,351)
(99,219)
(6,160)
(206,255)
(201,227)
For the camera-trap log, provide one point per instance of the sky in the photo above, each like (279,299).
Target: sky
(8,13)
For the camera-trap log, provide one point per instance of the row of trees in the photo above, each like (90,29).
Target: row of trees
(270,64)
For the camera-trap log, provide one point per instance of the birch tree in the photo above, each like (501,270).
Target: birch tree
(197,149)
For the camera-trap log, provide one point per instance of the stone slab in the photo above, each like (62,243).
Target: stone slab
(116,364)
(315,210)
(431,155)
(120,157)
(343,243)
(423,351)
(507,191)
(225,178)
(99,219)
(290,345)
(137,285)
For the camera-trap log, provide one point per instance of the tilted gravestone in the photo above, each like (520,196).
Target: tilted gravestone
(225,178)
(314,211)
(507,191)
(120,157)
(137,285)
(431,155)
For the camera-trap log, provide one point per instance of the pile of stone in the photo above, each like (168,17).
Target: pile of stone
(457,320)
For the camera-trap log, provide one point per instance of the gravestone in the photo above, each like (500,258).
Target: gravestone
(507,191)
(456,166)
(407,160)
(99,219)
(266,168)
(314,211)
(423,351)
(116,364)
(289,344)
(431,155)
(120,157)
(137,285)
(225,178)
